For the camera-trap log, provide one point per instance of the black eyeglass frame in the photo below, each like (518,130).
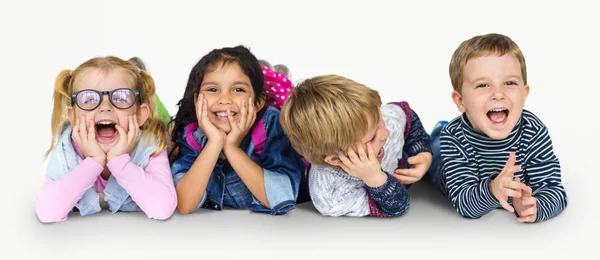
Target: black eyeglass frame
(101,94)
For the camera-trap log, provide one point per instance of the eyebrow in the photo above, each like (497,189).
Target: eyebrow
(486,78)
(234,83)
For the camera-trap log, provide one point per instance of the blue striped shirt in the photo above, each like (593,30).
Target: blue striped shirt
(471,160)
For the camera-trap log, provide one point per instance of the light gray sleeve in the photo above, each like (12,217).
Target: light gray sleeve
(335,193)
(395,121)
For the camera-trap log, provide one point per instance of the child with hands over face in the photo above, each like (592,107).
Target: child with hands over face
(231,149)
(357,147)
(108,149)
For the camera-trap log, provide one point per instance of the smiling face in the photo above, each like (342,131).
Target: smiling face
(492,94)
(225,88)
(106,115)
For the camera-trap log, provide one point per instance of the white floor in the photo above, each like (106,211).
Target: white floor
(431,228)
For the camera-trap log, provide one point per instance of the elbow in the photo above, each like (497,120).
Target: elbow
(48,215)
(465,213)
(163,212)
(185,209)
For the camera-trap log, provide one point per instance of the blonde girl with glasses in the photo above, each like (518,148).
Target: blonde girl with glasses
(108,147)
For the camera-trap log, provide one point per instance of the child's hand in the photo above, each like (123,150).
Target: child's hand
(420,164)
(364,166)
(126,140)
(503,186)
(211,131)
(526,206)
(239,129)
(85,137)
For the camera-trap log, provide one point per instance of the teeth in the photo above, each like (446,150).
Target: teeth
(497,109)
(224,114)
(105,123)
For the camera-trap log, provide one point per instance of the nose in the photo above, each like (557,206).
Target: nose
(105,105)
(225,98)
(498,92)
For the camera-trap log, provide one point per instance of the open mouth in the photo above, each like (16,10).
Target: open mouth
(498,116)
(106,131)
(223,114)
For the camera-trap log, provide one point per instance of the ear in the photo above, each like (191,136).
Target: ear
(71,115)
(262,100)
(333,160)
(458,100)
(526,91)
(142,114)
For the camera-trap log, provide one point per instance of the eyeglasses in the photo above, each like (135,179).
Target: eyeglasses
(89,99)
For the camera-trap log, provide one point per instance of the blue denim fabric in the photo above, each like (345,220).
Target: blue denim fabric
(64,158)
(282,167)
(435,170)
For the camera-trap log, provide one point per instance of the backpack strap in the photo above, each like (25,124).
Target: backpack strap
(189,136)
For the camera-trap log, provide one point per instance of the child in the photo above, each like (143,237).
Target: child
(355,146)
(100,157)
(232,150)
(162,111)
(496,154)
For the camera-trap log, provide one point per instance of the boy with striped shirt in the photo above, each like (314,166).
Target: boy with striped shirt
(496,154)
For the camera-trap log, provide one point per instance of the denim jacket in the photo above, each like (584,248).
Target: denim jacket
(282,166)
(64,158)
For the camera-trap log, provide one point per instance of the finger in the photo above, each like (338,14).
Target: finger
(353,156)
(405,179)
(91,133)
(131,132)
(83,128)
(417,159)
(234,127)
(527,191)
(204,108)
(75,133)
(509,163)
(251,112)
(511,193)
(505,205)
(529,211)
(515,185)
(362,154)
(370,152)
(408,172)
(137,128)
(244,114)
(122,135)
(529,201)
(526,219)
(347,165)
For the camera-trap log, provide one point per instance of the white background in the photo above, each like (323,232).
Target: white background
(401,49)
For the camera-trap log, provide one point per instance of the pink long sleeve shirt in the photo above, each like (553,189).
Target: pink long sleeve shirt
(151,188)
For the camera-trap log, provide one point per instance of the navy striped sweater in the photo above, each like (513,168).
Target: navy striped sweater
(471,160)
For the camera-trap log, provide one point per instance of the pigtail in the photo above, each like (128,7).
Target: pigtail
(153,124)
(61,102)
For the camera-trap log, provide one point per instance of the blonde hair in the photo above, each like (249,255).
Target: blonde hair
(480,46)
(327,114)
(140,80)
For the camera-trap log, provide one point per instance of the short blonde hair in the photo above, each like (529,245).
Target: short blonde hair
(327,114)
(483,45)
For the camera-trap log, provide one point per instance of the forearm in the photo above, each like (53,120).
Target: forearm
(192,186)
(418,140)
(249,172)
(392,198)
(473,200)
(550,202)
(151,188)
(58,197)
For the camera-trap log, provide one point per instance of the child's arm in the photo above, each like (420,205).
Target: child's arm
(58,197)
(470,197)
(418,149)
(543,170)
(391,198)
(418,140)
(335,193)
(280,170)
(151,188)
(191,173)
